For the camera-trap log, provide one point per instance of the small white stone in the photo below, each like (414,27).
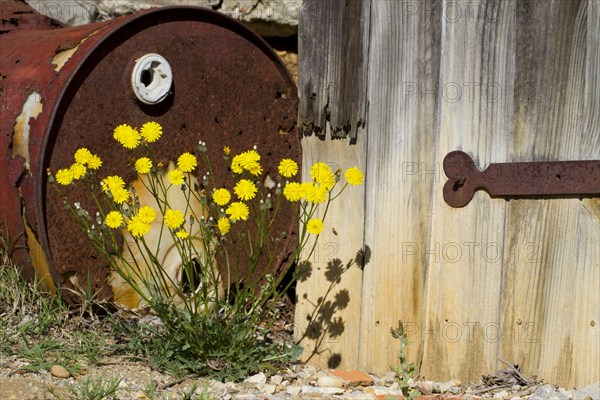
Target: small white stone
(330,381)
(258,378)
(266,388)
(321,390)
(501,395)
(276,379)
(294,390)
(359,396)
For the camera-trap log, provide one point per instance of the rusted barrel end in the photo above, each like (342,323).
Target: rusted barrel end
(67,88)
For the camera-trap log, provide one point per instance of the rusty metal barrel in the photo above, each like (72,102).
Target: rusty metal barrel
(200,74)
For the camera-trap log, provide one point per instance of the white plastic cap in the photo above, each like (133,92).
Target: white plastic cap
(152,78)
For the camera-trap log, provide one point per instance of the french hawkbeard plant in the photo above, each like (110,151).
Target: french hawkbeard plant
(215,327)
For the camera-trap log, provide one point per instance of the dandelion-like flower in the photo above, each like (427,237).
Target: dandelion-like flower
(292,191)
(224,225)
(120,195)
(64,176)
(175,177)
(78,170)
(94,162)
(187,162)
(112,182)
(237,211)
(288,167)
(114,219)
(315,193)
(151,131)
(354,176)
(82,156)
(182,234)
(221,196)
(314,226)
(174,219)
(255,169)
(226,150)
(248,160)
(321,173)
(147,214)
(137,227)
(245,189)
(143,165)
(127,136)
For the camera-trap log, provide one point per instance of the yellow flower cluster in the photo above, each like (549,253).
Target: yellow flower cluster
(323,180)
(247,161)
(84,160)
(130,138)
(115,185)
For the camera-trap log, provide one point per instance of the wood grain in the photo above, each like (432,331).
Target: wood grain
(503,81)
(332,82)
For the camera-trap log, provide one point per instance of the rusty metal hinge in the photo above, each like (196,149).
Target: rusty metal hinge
(519,179)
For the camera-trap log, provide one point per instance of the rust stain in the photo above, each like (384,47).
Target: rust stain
(162,244)
(39,261)
(31,109)
(65,51)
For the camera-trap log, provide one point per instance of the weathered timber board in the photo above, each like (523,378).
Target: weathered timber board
(504,81)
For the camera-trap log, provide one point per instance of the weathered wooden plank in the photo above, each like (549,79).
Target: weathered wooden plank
(503,81)
(402,172)
(333,43)
(333,47)
(550,291)
(465,267)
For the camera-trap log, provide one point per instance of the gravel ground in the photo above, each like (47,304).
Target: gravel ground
(294,382)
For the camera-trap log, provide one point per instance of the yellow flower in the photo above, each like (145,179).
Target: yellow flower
(82,156)
(314,226)
(64,176)
(114,219)
(137,227)
(94,162)
(245,189)
(127,136)
(221,196)
(112,182)
(187,162)
(236,166)
(143,165)
(248,160)
(238,210)
(226,150)
(292,191)
(288,167)
(255,169)
(120,195)
(174,219)
(182,234)
(354,176)
(315,193)
(175,177)
(224,225)
(151,131)
(78,170)
(321,173)
(146,214)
